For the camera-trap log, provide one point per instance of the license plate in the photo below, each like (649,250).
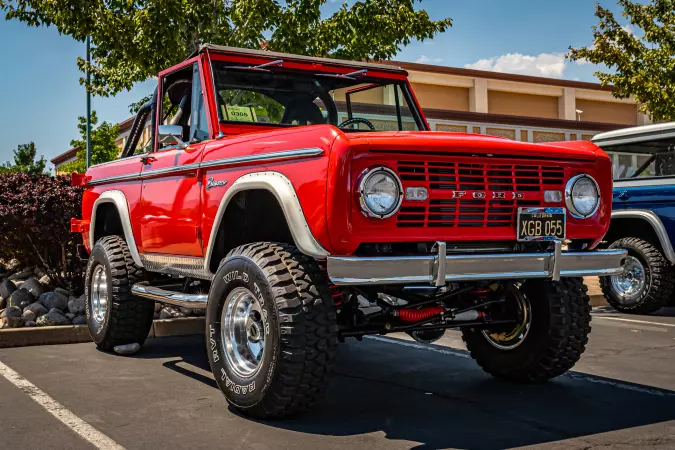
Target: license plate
(541,224)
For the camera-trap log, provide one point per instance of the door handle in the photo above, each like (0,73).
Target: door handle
(624,195)
(148,159)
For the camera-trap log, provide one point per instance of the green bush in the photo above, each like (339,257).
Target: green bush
(35,213)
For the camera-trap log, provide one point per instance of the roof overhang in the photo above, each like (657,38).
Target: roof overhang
(302,58)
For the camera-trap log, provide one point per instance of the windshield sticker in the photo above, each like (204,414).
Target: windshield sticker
(239,113)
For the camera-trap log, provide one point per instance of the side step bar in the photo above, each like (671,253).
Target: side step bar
(193,301)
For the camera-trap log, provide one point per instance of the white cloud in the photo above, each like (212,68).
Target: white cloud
(628,28)
(544,64)
(428,60)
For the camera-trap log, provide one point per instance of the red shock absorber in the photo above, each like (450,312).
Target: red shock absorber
(335,291)
(415,315)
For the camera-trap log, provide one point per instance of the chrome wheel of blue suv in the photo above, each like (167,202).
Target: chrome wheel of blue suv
(647,283)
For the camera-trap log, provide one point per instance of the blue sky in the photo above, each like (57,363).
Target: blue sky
(42,98)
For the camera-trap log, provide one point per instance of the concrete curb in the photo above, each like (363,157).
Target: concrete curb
(74,334)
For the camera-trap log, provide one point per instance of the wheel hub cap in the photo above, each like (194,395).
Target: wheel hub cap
(630,284)
(243,329)
(512,338)
(98,297)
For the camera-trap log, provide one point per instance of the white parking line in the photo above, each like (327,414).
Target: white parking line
(79,426)
(575,376)
(595,316)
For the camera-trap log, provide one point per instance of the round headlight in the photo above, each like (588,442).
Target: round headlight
(582,196)
(381,193)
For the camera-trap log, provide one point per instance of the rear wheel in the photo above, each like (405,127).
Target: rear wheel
(548,338)
(647,282)
(271,330)
(115,317)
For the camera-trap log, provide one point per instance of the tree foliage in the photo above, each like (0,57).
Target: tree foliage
(134,39)
(103,148)
(643,62)
(25,161)
(35,213)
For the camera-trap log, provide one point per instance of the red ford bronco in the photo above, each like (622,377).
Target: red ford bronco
(301,201)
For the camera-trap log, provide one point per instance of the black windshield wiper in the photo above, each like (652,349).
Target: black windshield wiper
(259,67)
(348,76)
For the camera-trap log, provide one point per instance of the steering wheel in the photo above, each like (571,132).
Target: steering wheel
(348,122)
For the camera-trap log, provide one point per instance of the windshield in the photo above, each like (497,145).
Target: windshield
(644,159)
(281,97)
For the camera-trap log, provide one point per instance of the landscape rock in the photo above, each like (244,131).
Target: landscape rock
(45,280)
(70,316)
(11,322)
(158,307)
(23,275)
(37,308)
(3,303)
(54,300)
(80,320)
(155,316)
(20,296)
(65,292)
(52,318)
(169,312)
(29,324)
(28,316)
(13,265)
(76,305)
(39,272)
(12,311)
(33,286)
(6,289)
(128,349)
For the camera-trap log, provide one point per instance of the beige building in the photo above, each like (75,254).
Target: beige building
(519,107)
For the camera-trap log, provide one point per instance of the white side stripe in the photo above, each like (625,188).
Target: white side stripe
(79,426)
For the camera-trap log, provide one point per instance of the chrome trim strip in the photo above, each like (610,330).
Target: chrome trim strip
(193,301)
(118,199)
(125,177)
(349,270)
(224,162)
(283,190)
(656,224)
(272,156)
(186,266)
(646,181)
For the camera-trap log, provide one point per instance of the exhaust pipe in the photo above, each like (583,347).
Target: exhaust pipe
(192,301)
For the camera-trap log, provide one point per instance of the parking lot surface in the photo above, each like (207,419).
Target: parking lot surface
(388,393)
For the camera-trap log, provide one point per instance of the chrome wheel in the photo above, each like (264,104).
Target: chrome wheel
(98,295)
(511,338)
(243,327)
(630,284)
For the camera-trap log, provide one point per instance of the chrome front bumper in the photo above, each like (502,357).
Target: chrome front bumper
(440,268)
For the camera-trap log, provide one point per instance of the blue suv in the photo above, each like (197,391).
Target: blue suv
(643,216)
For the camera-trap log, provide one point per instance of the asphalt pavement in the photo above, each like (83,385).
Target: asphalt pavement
(388,393)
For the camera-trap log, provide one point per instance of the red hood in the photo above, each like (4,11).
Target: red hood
(412,141)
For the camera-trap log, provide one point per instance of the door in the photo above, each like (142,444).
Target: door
(171,193)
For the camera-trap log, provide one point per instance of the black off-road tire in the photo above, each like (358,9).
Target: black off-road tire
(558,334)
(301,338)
(128,319)
(659,279)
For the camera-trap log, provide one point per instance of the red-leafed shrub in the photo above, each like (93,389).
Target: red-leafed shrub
(35,213)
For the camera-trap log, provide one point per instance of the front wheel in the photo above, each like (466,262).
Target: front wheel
(271,330)
(646,283)
(548,337)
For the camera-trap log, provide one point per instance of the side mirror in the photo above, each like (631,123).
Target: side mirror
(171,135)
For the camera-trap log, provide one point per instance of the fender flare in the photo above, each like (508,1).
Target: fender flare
(118,199)
(655,222)
(283,190)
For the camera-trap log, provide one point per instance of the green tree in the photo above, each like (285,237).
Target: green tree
(642,55)
(103,148)
(134,39)
(25,161)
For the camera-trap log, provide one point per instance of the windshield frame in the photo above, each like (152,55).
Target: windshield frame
(309,71)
